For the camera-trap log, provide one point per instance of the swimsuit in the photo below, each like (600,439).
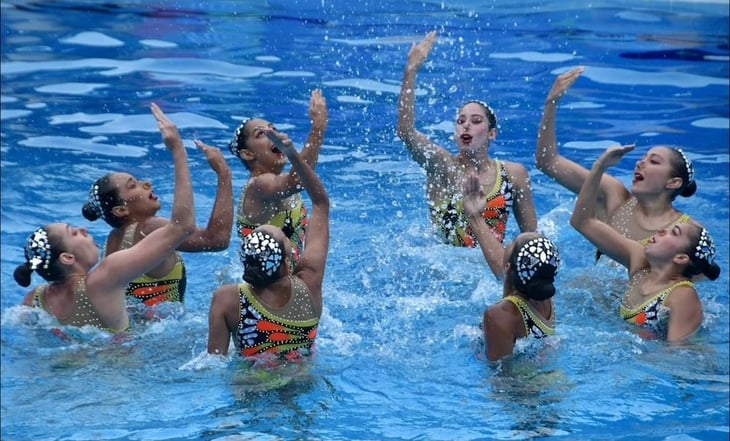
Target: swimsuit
(652,313)
(292,222)
(287,333)
(534,324)
(154,290)
(619,220)
(83,312)
(452,224)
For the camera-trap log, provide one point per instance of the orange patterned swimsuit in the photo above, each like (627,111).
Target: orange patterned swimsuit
(451,222)
(154,290)
(287,333)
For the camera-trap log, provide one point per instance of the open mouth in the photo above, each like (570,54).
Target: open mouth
(638,177)
(466,139)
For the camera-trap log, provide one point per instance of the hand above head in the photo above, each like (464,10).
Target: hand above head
(168,129)
(562,83)
(318,109)
(214,155)
(474,198)
(613,155)
(281,141)
(420,51)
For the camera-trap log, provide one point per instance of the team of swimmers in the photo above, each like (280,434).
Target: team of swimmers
(274,313)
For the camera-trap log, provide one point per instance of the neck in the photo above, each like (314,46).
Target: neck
(653,206)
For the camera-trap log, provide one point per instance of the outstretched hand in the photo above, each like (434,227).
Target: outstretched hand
(474,197)
(419,51)
(562,84)
(214,155)
(614,154)
(281,141)
(168,129)
(318,109)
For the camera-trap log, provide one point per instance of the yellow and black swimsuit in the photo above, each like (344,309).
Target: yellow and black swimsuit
(653,313)
(534,324)
(285,333)
(83,312)
(154,290)
(293,223)
(453,226)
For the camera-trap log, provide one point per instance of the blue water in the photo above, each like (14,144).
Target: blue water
(398,355)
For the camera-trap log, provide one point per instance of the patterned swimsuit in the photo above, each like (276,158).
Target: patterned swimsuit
(534,325)
(292,222)
(453,226)
(286,333)
(653,313)
(154,290)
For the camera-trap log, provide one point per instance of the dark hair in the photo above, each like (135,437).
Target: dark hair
(491,116)
(238,141)
(103,197)
(701,252)
(534,264)
(262,257)
(683,168)
(41,250)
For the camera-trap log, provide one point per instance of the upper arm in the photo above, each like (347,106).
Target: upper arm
(615,245)
(223,307)
(685,315)
(499,336)
(29,298)
(313,261)
(430,156)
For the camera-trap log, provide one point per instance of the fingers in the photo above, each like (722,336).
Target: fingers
(201,145)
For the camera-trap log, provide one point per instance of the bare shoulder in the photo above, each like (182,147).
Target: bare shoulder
(683,295)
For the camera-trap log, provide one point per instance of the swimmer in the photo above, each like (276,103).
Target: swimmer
(507,184)
(659,177)
(660,295)
(527,268)
(274,314)
(130,207)
(270,195)
(83,290)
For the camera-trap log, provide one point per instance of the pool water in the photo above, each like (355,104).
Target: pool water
(398,350)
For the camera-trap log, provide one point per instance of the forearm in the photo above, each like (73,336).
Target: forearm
(585,206)
(220,224)
(407,104)
(183,210)
(547,142)
(309,179)
(310,152)
(491,248)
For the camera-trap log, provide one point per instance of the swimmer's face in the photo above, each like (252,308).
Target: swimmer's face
(472,128)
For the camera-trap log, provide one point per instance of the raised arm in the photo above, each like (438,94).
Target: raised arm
(311,265)
(474,200)
(117,269)
(571,175)
(320,118)
(216,236)
(627,252)
(427,154)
